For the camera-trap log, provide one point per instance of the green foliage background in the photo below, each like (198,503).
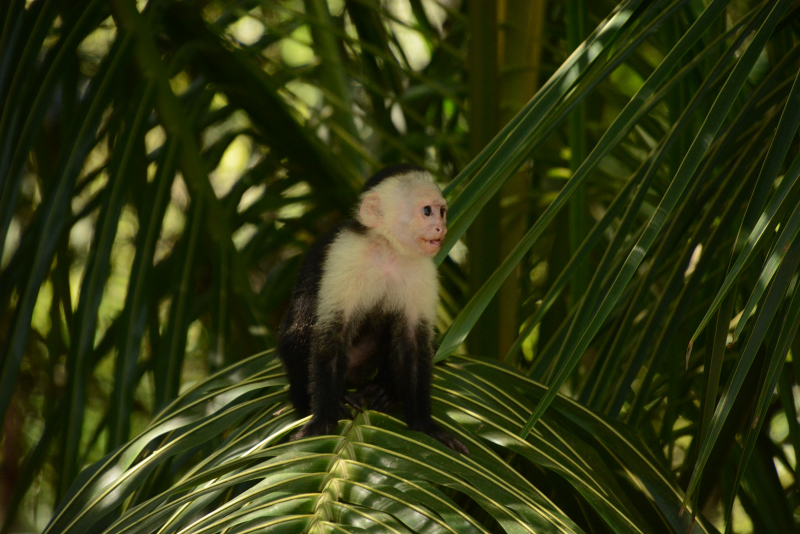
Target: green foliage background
(619,309)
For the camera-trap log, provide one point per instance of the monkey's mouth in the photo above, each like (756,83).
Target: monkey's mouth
(429,247)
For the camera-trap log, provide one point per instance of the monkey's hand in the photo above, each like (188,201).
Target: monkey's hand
(315,427)
(436,432)
(380,398)
(374,395)
(345,404)
(355,400)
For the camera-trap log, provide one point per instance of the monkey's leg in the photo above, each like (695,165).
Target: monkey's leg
(412,357)
(327,371)
(295,354)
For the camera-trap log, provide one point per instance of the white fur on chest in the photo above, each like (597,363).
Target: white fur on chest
(362,273)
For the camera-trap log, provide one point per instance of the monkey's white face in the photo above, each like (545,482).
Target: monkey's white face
(427,220)
(410,214)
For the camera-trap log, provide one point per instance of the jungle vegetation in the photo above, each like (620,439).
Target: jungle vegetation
(619,303)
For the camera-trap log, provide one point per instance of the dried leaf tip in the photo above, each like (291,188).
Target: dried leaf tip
(689,352)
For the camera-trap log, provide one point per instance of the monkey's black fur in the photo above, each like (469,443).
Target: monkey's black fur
(297,329)
(395,358)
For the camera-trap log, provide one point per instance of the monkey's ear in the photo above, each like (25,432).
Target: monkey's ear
(370,211)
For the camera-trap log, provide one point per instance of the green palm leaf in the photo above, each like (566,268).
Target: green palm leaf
(376,474)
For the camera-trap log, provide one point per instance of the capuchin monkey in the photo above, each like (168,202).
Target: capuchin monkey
(363,308)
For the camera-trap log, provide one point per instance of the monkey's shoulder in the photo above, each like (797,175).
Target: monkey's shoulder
(313,265)
(363,272)
(367,257)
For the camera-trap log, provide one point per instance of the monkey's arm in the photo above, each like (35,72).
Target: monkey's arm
(327,372)
(411,357)
(297,329)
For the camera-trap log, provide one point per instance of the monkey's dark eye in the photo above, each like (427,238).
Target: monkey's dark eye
(426,211)
(441,212)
